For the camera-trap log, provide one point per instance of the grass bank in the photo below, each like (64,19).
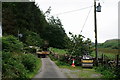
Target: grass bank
(38,66)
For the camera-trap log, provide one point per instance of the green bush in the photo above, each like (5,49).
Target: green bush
(10,43)
(106,71)
(29,50)
(17,66)
(29,61)
(12,67)
(33,39)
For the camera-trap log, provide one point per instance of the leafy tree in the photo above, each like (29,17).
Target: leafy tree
(27,19)
(54,33)
(32,39)
(78,46)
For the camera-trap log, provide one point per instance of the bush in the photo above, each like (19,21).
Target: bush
(106,71)
(33,39)
(17,66)
(12,67)
(10,43)
(29,50)
(29,61)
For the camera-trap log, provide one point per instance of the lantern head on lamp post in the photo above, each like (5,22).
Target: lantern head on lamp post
(99,8)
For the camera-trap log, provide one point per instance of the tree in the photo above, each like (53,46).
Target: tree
(54,33)
(77,46)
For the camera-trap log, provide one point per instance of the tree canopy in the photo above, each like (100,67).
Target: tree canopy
(26,18)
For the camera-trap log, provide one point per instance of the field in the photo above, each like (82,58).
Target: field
(58,51)
(109,53)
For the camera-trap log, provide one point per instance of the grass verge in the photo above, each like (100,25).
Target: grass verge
(38,64)
(78,71)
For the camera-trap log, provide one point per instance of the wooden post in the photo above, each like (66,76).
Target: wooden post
(102,59)
(95,23)
(117,60)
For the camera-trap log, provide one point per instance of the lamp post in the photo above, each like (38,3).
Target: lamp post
(95,23)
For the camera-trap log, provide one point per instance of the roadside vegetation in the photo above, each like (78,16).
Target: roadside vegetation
(25,25)
(58,51)
(105,70)
(76,72)
(15,63)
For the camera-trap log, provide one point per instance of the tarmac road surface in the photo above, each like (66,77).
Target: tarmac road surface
(49,70)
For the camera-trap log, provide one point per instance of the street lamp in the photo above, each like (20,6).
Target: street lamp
(95,23)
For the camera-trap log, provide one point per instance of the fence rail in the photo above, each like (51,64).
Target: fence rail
(103,60)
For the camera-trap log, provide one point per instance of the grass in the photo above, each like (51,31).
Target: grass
(79,71)
(107,50)
(89,73)
(38,64)
(58,51)
(70,67)
(109,53)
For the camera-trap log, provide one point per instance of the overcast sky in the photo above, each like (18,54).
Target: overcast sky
(107,20)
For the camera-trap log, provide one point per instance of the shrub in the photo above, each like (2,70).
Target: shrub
(17,66)
(12,67)
(29,50)
(33,39)
(10,43)
(106,71)
(29,61)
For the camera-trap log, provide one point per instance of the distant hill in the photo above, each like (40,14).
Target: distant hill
(112,44)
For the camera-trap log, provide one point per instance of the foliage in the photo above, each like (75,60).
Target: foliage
(112,44)
(29,50)
(31,22)
(18,65)
(10,43)
(33,39)
(16,18)
(58,51)
(106,71)
(55,33)
(29,62)
(12,67)
(78,46)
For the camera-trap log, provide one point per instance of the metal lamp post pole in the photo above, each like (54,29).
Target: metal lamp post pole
(95,23)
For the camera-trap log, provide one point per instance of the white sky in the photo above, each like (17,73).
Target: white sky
(107,20)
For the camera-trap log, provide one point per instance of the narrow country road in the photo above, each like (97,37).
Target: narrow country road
(49,70)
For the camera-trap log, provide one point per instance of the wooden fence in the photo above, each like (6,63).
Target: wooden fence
(103,60)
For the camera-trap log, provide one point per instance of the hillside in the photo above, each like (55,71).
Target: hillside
(112,44)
